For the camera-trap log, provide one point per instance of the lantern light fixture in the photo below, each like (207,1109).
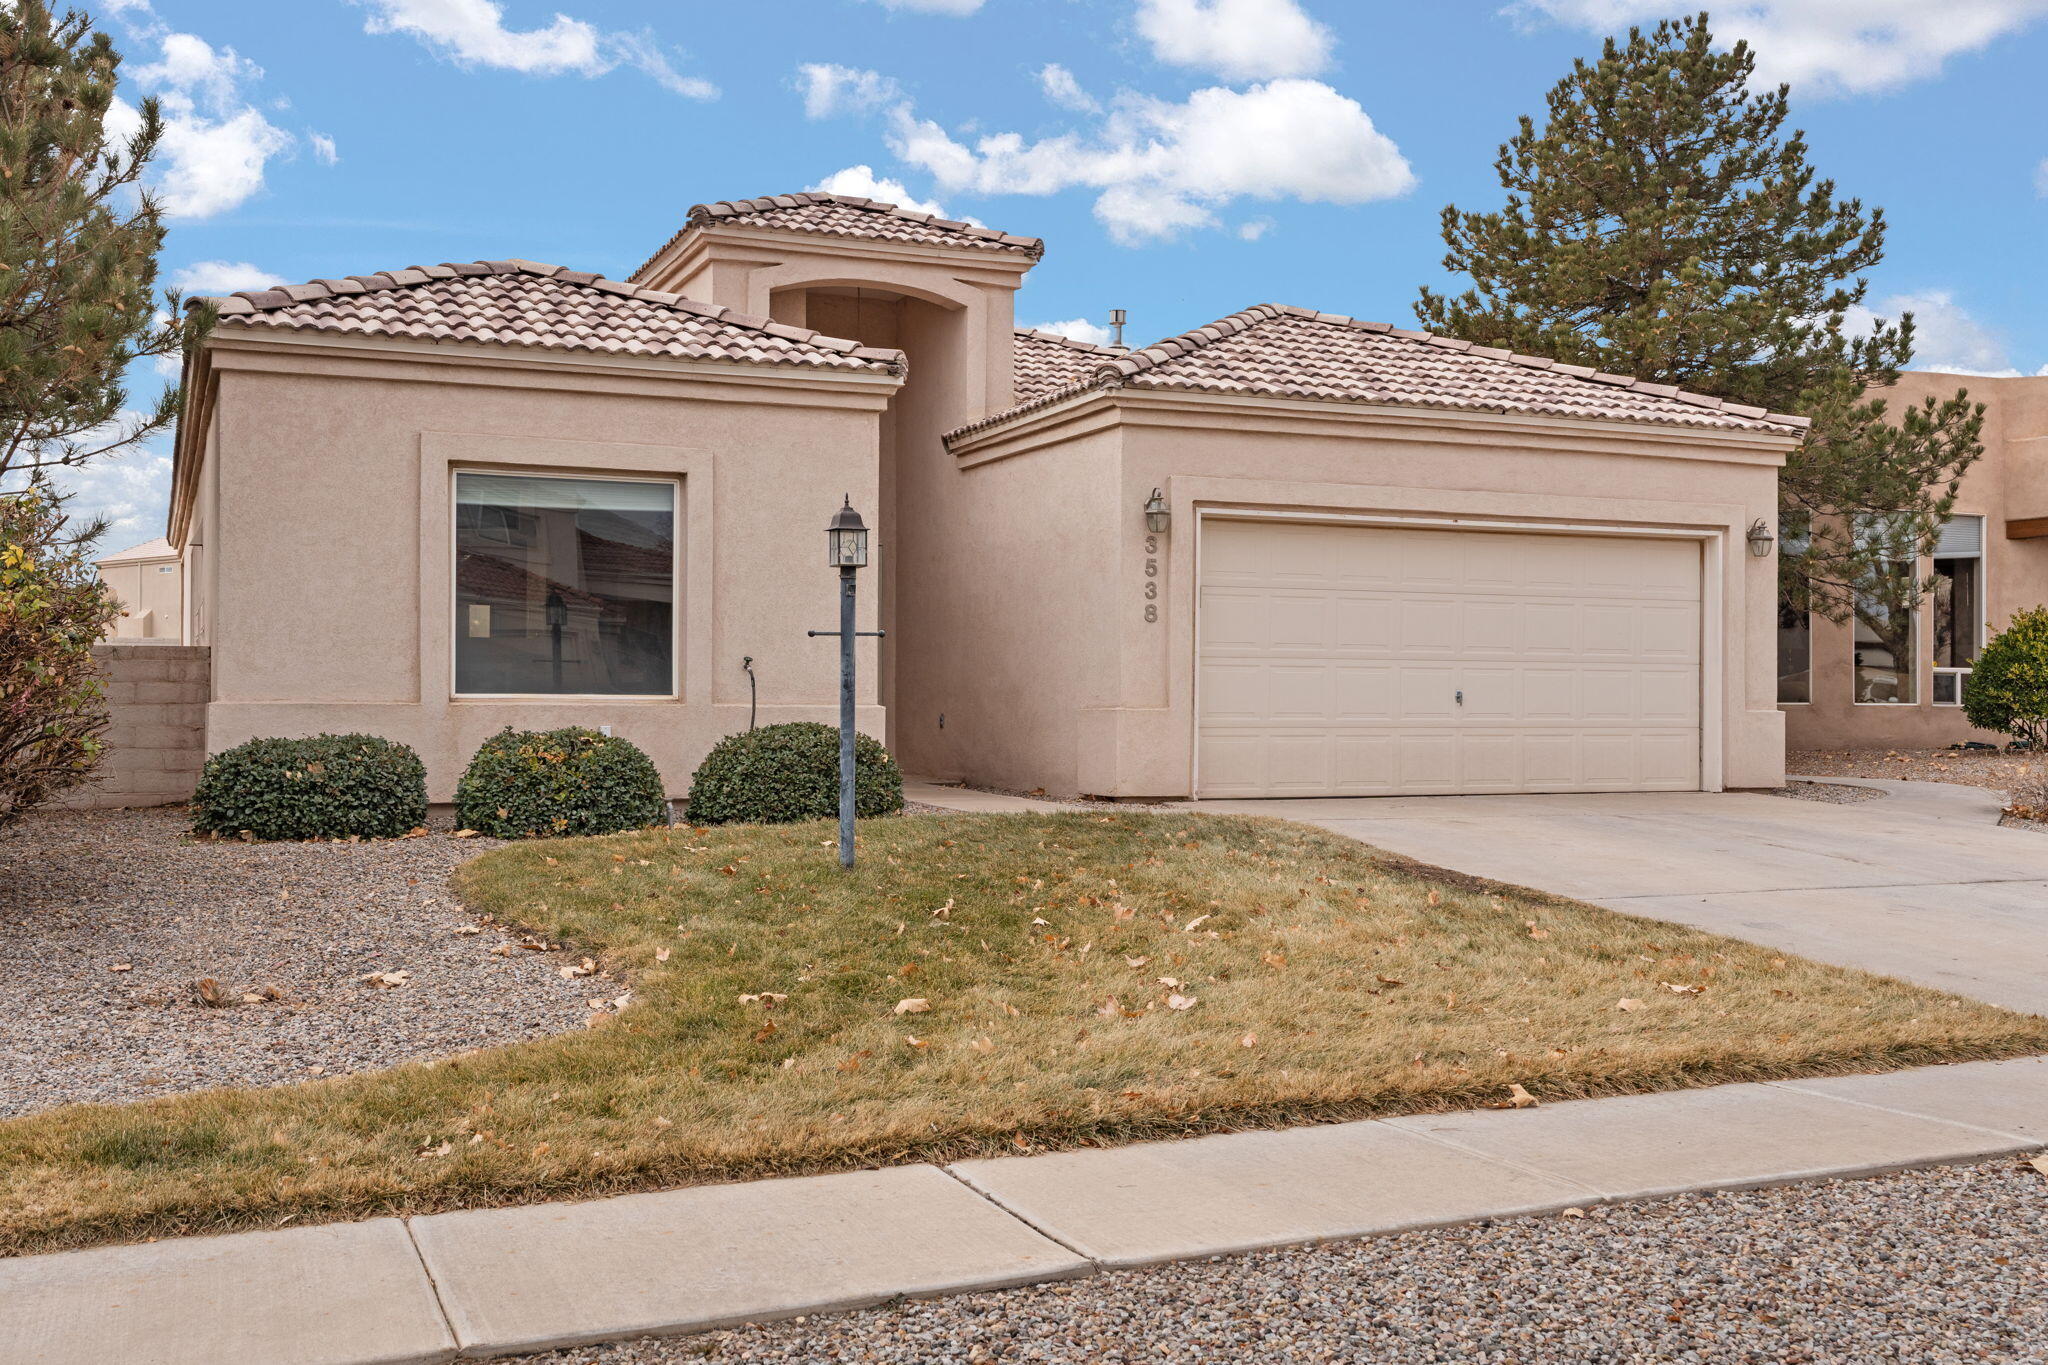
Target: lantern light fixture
(1760,539)
(846,539)
(1157,515)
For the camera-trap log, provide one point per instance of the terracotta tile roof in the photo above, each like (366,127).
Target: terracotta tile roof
(1277,351)
(1046,361)
(522,303)
(848,215)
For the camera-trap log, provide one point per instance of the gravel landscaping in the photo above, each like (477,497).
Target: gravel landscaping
(1830,793)
(1968,767)
(110,917)
(1941,1265)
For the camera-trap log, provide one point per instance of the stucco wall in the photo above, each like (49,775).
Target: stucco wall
(152,598)
(2008,482)
(329,553)
(157,739)
(1134,736)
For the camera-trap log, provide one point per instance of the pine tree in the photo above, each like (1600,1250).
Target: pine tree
(1662,225)
(78,242)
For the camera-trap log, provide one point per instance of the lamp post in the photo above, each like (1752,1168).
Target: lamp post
(558,617)
(846,540)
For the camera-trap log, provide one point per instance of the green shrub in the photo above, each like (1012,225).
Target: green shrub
(326,787)
(790,772)
(2007,690)
(53,710)
(531,784)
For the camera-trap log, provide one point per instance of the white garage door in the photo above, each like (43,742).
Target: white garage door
(1368,661)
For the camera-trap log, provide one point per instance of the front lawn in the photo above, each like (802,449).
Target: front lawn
(979,984)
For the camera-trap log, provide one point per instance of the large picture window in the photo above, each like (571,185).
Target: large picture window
(564,586)
(1795,652)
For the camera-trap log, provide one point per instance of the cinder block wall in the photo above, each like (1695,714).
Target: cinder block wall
(157,741)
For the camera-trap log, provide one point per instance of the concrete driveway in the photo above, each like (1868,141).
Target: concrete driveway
(1922,884)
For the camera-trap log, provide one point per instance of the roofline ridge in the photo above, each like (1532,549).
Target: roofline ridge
(284,296)
(708,215)
(1073,343)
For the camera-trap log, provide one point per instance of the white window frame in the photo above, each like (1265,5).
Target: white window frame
(675,604)
(1983,623)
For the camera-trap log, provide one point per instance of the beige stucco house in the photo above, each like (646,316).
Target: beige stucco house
(149,581)
(1846,685)
(437,501)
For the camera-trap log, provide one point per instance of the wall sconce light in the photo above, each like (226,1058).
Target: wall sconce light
(1760,539)
(1157,514)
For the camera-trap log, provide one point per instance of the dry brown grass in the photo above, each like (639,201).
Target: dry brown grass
(1328,981)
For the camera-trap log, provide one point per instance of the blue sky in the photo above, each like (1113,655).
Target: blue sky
(1182,158)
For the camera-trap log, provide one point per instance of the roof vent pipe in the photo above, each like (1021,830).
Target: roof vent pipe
(1116,326)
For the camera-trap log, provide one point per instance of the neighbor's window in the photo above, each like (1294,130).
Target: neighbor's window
(1958,605)
(564,585)
(1885,671)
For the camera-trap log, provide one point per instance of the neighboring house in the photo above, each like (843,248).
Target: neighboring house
(438,501)
(1894,679)
(149,581)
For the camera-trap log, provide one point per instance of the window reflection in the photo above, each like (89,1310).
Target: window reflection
(564,586)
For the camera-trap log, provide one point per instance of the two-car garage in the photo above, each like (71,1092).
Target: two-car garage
(1361,659)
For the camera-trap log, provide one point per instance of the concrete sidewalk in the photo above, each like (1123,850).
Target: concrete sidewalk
(498,1281)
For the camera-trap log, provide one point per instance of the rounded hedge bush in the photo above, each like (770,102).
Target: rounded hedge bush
(532,784)
(326,787)
(2007,689)
(782,773)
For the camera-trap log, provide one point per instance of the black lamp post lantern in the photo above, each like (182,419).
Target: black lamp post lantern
(1760,539)
(1157,514)
(558,617)
(846,542)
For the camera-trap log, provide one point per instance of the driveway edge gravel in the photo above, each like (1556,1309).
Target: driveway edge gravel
(487,1282)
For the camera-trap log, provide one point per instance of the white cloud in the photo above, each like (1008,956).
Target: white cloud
(862,182)
(643,52)
(216,144)
(1945,336)
(473,33)
(324,148)
(1062,89)
(213,278)
(131,489)
(830,89)
(2041,178)
(213,165)
(1164,168)
(956,8)
(1239,40)
(1079,329)
(1255,229)
(1826,46)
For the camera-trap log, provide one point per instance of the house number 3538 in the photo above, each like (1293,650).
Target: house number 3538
(1151,578)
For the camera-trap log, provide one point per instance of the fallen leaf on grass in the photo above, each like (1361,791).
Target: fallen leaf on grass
(916,1004)
(1677,989)
(983,1044)
(1191,925)
(1536,932)
(915,1041)
(1109,1009)
(1136,961)
(1171,982)
(1518,1098)
(769,998)
(1628,1003)
(444,1149)
(1391,981)
(584,968)
(1181,1002)
(661,954)
(1249,1040)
